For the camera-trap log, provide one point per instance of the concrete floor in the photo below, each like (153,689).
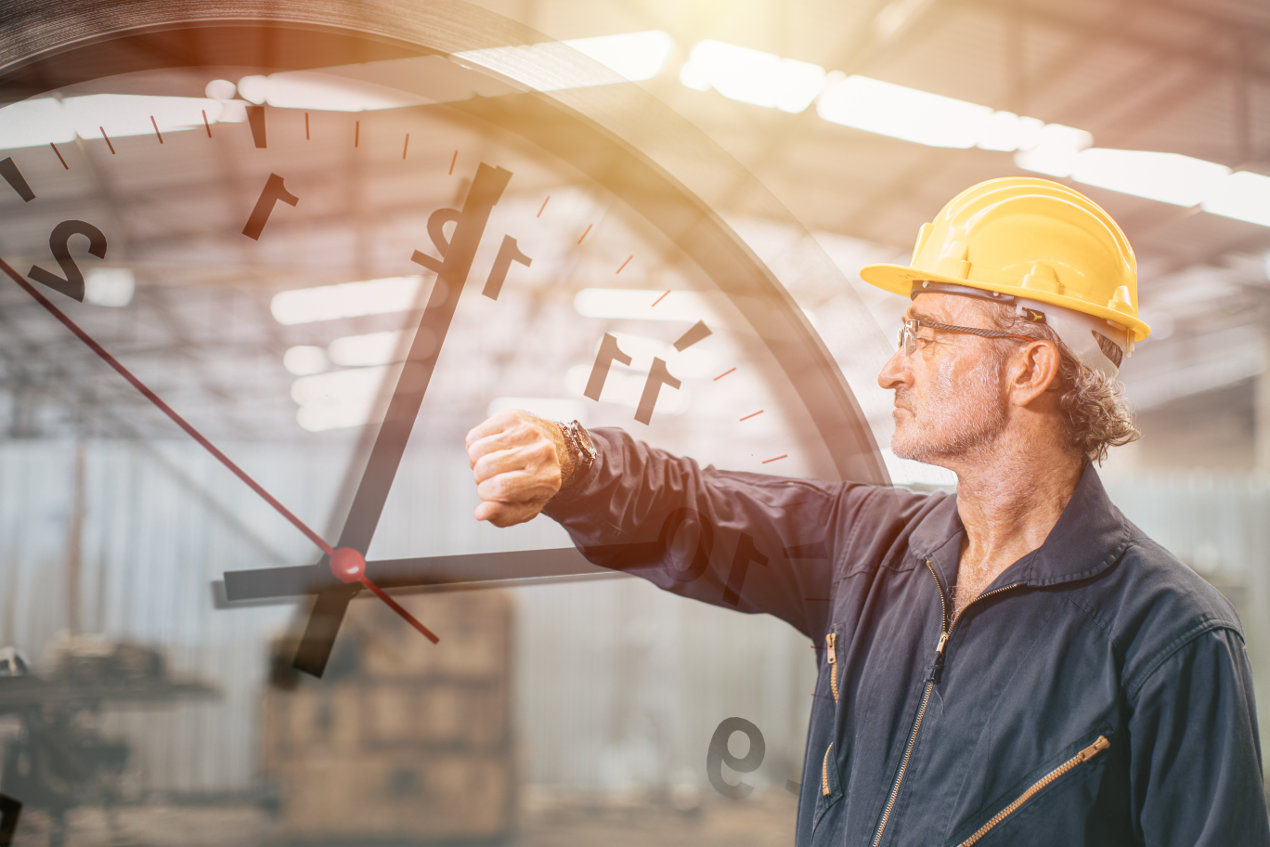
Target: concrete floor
(761,819)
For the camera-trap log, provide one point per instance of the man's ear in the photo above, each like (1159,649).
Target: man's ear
(1033,371)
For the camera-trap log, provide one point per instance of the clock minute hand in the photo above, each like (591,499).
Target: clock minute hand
(202,440)
(372,492)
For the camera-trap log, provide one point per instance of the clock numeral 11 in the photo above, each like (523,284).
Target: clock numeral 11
(658,375)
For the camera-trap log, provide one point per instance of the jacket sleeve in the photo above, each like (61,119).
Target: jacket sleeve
(747,541)
(1195,754)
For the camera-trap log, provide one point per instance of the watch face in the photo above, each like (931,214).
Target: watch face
(260,277)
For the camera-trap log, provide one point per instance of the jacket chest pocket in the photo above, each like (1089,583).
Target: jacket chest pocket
(1047,799)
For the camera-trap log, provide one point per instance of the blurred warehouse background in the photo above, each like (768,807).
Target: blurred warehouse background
(822,133)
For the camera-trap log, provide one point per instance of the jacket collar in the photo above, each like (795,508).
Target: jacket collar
(1089,537)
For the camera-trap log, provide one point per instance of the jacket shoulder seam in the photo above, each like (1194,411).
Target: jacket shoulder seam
(1135,682)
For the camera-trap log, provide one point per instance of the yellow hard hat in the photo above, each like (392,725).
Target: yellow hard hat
(1027,238)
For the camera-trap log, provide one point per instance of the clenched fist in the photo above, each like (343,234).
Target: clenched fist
(518,461)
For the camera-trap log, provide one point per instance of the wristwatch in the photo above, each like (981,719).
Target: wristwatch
(581,452)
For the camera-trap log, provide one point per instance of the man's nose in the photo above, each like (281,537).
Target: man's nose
(895,371)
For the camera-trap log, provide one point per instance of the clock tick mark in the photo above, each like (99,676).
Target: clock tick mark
(659,299)
(453,159)
(206,123)
(107,137)
(357,133)
(306,126)
(59,156)
(751,415)
(13,176)
(405,146)
(155,124)
(543,206)
(695,333)
(624,264)
(585,232)
(776,458)
(256,121)
(725,373)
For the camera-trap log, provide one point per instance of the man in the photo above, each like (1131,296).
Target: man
(1013,664)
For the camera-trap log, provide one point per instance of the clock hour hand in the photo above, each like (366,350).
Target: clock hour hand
(407,398)
(469,570)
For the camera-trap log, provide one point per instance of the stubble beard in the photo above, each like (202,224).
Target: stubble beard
(956,419)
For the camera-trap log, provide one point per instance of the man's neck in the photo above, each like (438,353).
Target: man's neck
(1008,506)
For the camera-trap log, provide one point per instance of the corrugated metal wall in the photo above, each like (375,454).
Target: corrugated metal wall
(616,684)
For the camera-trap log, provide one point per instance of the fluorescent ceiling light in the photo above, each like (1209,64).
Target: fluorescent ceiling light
(372,348)
(346,300)
(1007,132)
(900,112)
(111,287)
(1244,196)
(1165,177)
(752,76)
(351,397)
(638,304)
(305,360)
(625,387)
(633,55)
(35,123)
(551,65)
(324,92)
(1055,152)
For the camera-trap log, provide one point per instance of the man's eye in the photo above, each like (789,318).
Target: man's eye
(923,340)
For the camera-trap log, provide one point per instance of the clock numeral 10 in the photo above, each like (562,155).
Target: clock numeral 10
(9,810)
(701,538)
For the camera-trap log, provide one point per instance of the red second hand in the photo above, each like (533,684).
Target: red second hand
(218,455)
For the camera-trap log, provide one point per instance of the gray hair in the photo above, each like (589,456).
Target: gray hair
(1095,414)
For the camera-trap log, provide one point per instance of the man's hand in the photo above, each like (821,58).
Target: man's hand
(517,460)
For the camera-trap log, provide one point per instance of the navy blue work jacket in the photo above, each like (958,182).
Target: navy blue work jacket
(1097,693)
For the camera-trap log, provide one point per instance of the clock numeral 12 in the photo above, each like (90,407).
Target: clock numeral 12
(508,251)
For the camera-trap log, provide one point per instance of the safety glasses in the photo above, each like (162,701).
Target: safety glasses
(910,326)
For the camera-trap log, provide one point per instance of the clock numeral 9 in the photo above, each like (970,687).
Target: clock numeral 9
(719,755)
(72,284)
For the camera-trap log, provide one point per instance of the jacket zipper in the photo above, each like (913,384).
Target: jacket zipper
(1099,745)
(824,771)
(937,667)
(831,645)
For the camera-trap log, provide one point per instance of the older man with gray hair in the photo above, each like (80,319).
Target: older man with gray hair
(1012,664)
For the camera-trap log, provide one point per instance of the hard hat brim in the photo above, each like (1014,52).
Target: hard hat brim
(899,279)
